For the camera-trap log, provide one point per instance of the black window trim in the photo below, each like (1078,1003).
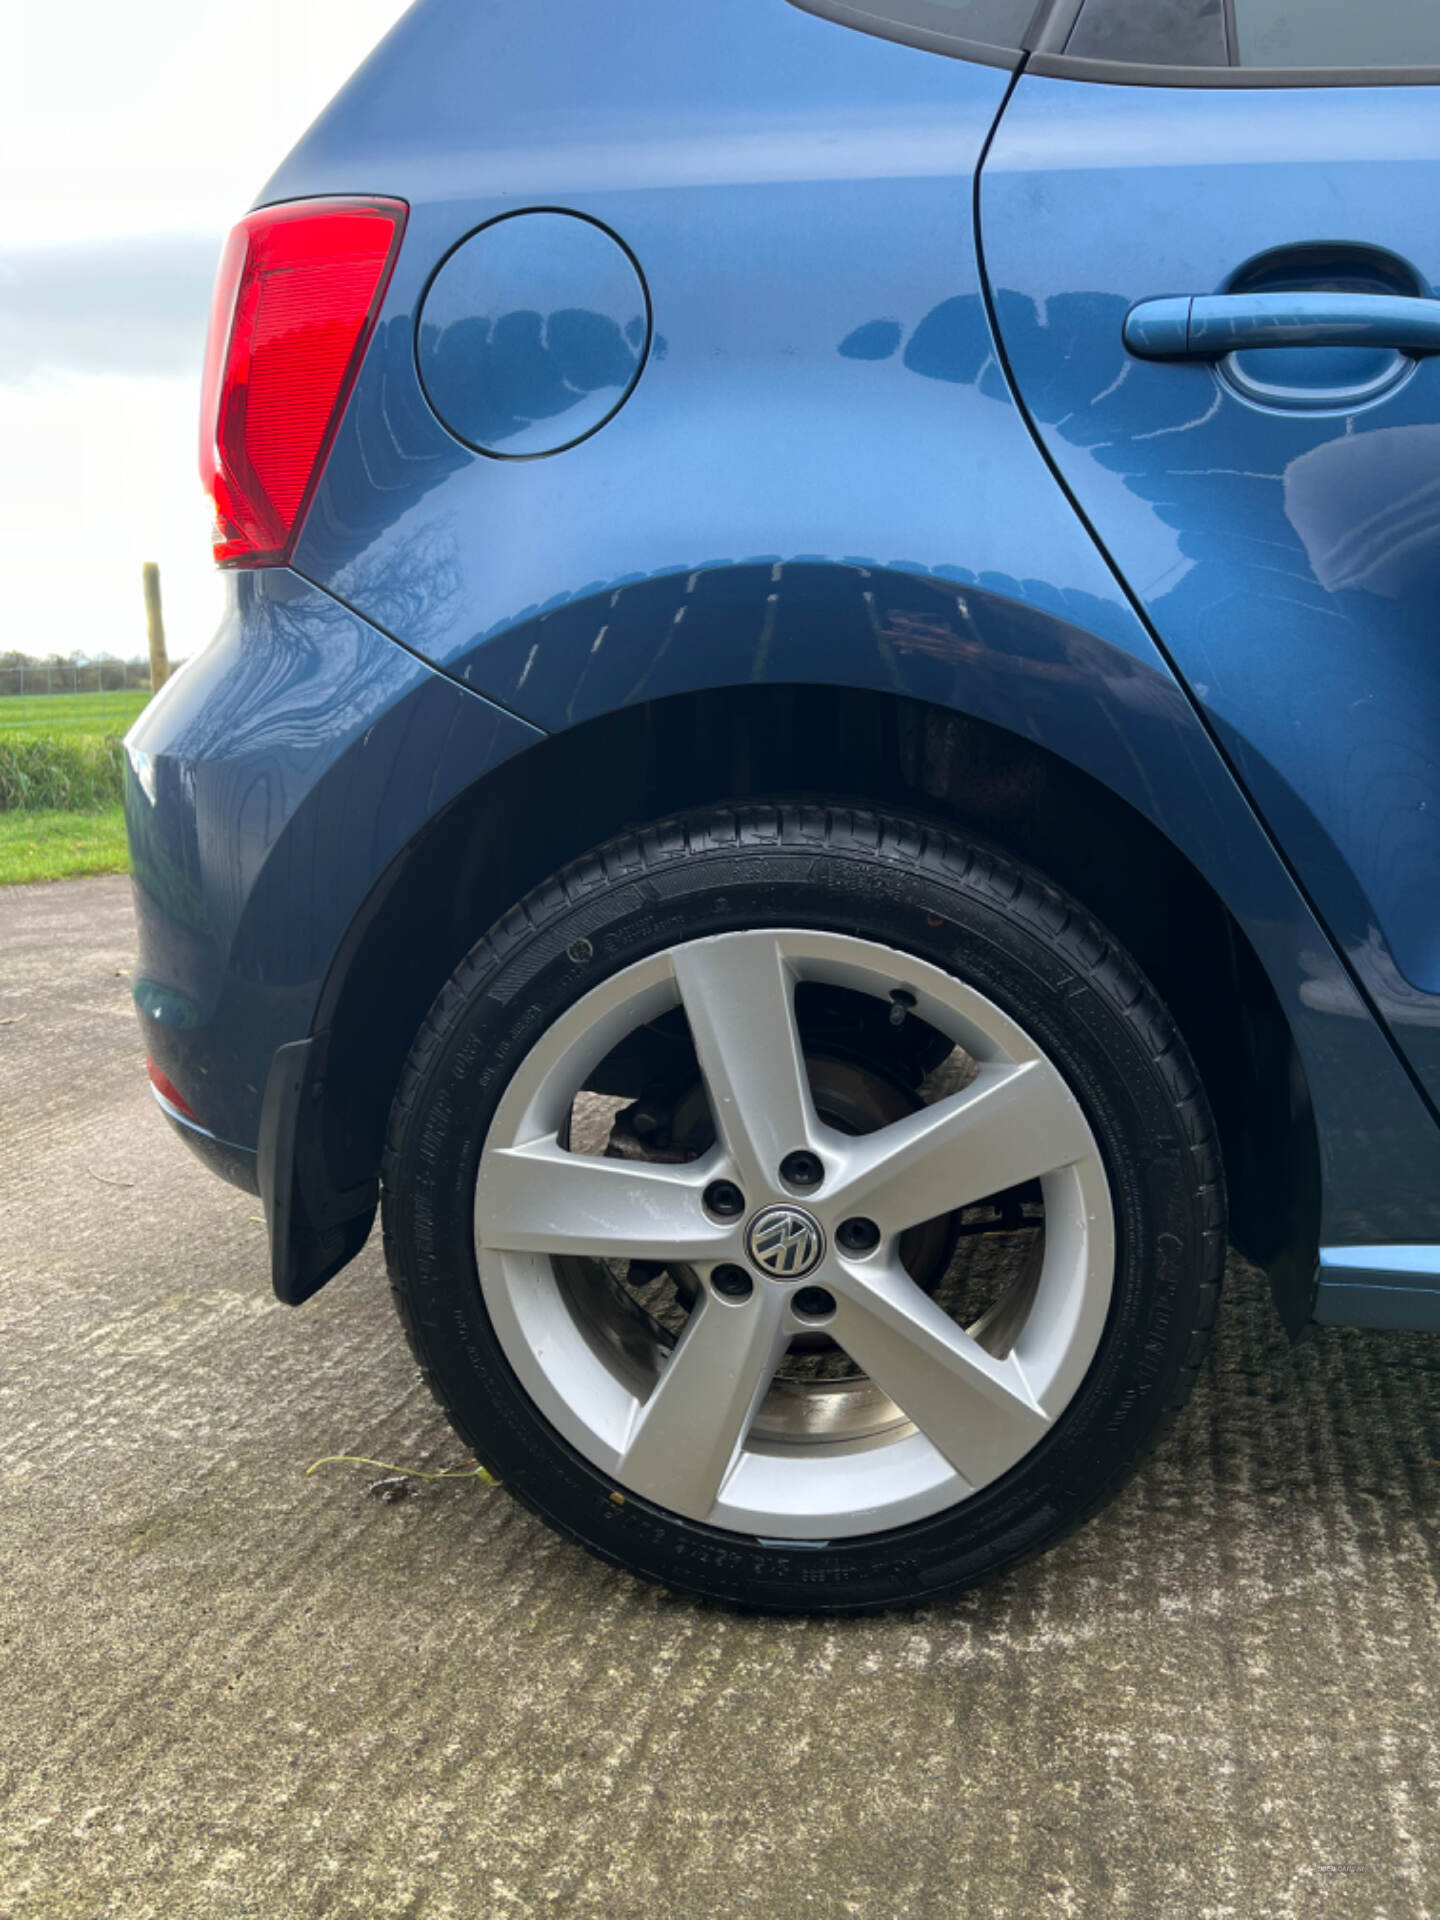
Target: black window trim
(1120,73)
(921,23)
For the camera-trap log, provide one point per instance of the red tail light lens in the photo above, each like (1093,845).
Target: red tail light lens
(296,300)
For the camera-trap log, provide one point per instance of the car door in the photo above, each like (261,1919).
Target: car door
(1211,240)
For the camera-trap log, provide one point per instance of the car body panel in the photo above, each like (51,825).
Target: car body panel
(1288,554)
(821,477)
(1379,1287)
(267,786)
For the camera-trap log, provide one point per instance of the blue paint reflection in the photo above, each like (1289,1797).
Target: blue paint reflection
(526,367)
(1296,584)
(951,342)
(875,340)
(532,333)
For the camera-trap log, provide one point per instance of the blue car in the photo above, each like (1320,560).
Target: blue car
(822,776)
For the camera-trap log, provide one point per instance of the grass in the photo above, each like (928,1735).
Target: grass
(60,784)
(75,771)
(56,845)
(60,713)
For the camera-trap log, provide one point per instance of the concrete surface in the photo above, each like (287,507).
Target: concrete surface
(226,1689)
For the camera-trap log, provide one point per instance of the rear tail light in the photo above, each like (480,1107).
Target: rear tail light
(296,300)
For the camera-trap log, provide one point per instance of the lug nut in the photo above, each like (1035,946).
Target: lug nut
(802,1170)
(725,1198)
(733,1282)
(814,1303)
(858,1235)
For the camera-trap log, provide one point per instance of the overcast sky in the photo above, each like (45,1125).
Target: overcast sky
(132,136)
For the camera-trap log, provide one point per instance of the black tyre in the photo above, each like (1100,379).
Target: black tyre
(804,1208)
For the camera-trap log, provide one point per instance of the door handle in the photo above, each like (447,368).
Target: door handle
(1206,326)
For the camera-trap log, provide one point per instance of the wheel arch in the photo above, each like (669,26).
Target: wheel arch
(554,801)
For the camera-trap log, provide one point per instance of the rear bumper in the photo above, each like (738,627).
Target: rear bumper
(268,788)
(1393,1286)
(232,1163)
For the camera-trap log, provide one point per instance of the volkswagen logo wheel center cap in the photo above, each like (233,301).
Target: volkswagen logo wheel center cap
(784,1242)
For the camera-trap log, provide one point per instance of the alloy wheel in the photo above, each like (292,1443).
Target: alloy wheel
(814,1381)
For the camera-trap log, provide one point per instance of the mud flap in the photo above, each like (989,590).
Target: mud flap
(316,1228)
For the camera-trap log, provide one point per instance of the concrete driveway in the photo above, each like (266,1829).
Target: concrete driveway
(227,1689)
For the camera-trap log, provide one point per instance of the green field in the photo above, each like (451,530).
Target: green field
(60,845)
(70,712)
(60,784)
(44,772)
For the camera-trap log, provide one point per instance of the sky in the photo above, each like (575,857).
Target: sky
(133,137)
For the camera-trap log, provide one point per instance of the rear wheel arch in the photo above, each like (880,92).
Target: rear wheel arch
(575,790)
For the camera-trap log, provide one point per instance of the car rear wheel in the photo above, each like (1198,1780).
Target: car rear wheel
(805,1209)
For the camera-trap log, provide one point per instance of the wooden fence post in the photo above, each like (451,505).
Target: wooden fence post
(155,621)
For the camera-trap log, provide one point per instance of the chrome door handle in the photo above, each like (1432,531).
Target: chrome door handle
(1208,325)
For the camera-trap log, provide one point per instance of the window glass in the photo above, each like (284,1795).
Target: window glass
(1152,33)
(1338,33)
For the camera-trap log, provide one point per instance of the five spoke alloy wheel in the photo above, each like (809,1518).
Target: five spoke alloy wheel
(788,1229)
(804,1207)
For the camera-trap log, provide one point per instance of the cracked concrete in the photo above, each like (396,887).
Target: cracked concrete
(229,1690)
